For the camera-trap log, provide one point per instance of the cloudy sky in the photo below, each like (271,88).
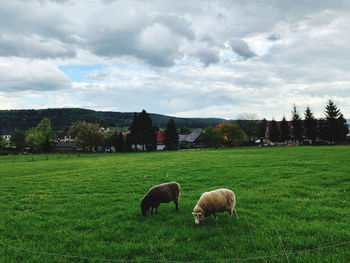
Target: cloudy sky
(183,58)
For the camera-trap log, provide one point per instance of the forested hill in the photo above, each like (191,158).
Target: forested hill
(61,119)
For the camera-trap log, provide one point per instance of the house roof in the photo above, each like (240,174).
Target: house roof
(160,136)
(6,132)
(64,144)
(190,137)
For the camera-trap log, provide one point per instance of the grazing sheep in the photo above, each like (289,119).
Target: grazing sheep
(210,203)
(163,193)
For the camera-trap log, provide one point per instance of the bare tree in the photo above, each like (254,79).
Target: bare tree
(249,122)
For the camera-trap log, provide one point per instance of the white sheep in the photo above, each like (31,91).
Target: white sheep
(210,203)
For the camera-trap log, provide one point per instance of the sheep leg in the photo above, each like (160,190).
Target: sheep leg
(177,205)
(234,211)
(152,211)
(216,218)
(156,209)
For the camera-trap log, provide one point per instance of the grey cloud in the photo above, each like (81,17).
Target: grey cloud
(207,56)
(274,37)
(209,40)
(137,35)
(241,48)
(33,47)
(177,24)
(124,43)
(32,18)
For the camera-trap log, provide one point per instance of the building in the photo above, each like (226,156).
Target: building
(160,140)
(187,141)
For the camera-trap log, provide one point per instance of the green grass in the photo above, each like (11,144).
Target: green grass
(290,201)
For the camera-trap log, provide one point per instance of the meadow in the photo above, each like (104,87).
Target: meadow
(292,202)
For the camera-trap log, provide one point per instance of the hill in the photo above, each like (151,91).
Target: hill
(62,118)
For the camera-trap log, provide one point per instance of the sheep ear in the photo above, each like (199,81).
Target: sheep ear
(192,213)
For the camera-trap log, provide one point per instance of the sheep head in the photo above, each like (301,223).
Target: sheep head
(198,216)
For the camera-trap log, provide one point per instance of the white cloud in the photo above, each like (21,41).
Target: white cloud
(26,75)
(196,58)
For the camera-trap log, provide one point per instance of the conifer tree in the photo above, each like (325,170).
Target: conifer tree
(171,138)
(310,125)
(143,132)
(285,130)
(297,125)
(335,127)
(135,131)
(274,131)
(262,128)
(120,143)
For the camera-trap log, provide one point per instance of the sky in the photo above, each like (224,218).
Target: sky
(217,58)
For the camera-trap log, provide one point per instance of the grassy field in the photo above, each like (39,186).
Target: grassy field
(293,205)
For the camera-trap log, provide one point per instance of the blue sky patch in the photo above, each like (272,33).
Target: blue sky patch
(78,73)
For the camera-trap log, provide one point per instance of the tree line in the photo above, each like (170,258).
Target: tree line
(62,119)
(88,136)
(143,134)
(333,128)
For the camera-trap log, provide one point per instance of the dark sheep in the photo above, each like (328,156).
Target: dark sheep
(163,193)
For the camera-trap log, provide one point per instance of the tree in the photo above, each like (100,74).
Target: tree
(297,125)
(171,137)
(34,140)
(2,142)
(250,124)
(120,143)
(143,132)
(233,133)
(135,131)
(274,131)
(262,128)
(111,139)
(310,125)
(128,143)
(335,127)
(103,124)
(211,137)
(18,139)
(285,130)
(88,135)
(44,127)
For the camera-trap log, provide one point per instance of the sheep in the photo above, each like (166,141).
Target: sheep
(210,203)
(163,193)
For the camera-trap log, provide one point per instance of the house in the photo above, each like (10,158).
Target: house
(6,135)
(65,147)
(160,140)
(105,130)
(64,137)
(189,140)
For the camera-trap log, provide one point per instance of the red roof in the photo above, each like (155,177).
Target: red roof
(221,124)
(160,136)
